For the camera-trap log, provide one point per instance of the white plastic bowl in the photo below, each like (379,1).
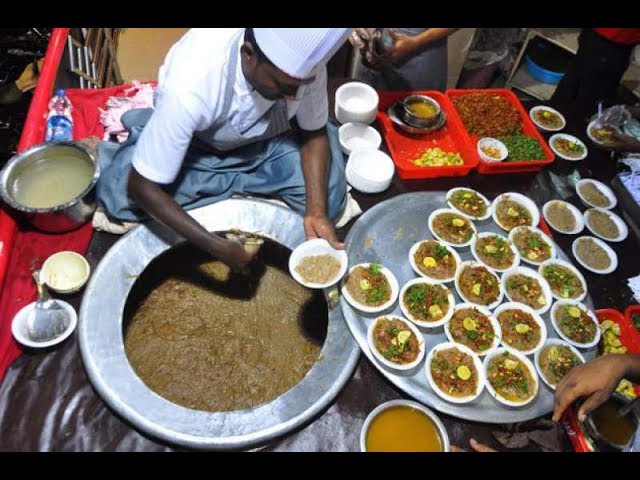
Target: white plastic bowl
(516,254)
(549,343)
(495,143)
(358,136)
(356,102)
(544,236)
(536,317)
(313,247)
(65,272)
(439,426)
(451,250)
(422,323)
(497,331)
(439,211)
(530,273)
(577,214)
(476,362)
(526,362)
(20,326)
(610,252)
(541,126)
(594,139)
(369,170)
(470,217)
(393,283)
(584,308)
(574,270)
(602,187)
(570,138)
(389,363)
(526,202)
(471,263)
(622,227)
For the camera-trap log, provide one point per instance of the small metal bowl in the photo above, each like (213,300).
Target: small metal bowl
(413,117)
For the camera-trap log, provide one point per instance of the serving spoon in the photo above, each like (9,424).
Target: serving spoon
(48,319)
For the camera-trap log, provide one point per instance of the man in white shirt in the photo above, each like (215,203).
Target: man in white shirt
(221,126)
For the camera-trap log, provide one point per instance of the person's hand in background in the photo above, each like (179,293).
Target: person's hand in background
(475,446)
(621,142)
(403,48)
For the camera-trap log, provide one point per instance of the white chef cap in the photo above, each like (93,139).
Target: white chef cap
(298,51)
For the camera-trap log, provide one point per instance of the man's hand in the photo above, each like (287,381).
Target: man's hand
(234,255)
(595,380)
(319,226)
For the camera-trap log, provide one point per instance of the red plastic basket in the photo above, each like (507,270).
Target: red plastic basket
(629,336)
(627,315)
(528,128)
(405,147)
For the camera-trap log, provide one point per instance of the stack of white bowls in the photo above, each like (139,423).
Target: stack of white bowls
(368,169)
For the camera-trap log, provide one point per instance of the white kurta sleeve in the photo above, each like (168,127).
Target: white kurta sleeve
(160,150)
(313,110)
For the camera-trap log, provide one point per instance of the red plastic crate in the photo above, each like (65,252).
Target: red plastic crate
(629,337)
(528,128)
(405,147)
(627,315)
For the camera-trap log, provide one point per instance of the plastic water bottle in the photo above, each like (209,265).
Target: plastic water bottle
(59,120)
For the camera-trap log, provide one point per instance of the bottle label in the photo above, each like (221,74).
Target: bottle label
(59,128)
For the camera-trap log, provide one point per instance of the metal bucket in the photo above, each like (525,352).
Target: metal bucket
(60,218)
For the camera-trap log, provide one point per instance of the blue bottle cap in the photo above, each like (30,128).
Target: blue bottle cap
(60,92)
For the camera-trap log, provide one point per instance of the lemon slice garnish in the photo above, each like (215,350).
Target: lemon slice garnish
(532,255)
(491,249)
(541,300)
(403,336)
(365,284)
(466,195)
(476,289)
(435,311)
(574,312)
(553,353)
(512,212)
(457,222)
(522,328)
(429,262)
(463,372)
(469,323)
(511,364)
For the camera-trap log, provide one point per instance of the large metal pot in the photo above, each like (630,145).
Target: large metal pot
(100,334)
(61,218)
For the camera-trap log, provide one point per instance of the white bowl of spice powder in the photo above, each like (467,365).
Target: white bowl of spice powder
(316,264)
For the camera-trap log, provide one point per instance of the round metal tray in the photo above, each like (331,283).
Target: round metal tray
(384,235)
(102,346)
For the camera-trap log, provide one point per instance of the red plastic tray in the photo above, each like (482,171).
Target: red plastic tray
(627,314)
(528,128)
(405,147)
(629,336)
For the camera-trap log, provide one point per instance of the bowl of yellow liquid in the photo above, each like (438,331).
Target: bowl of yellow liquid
(403,426)
(52,184)
(421,111)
